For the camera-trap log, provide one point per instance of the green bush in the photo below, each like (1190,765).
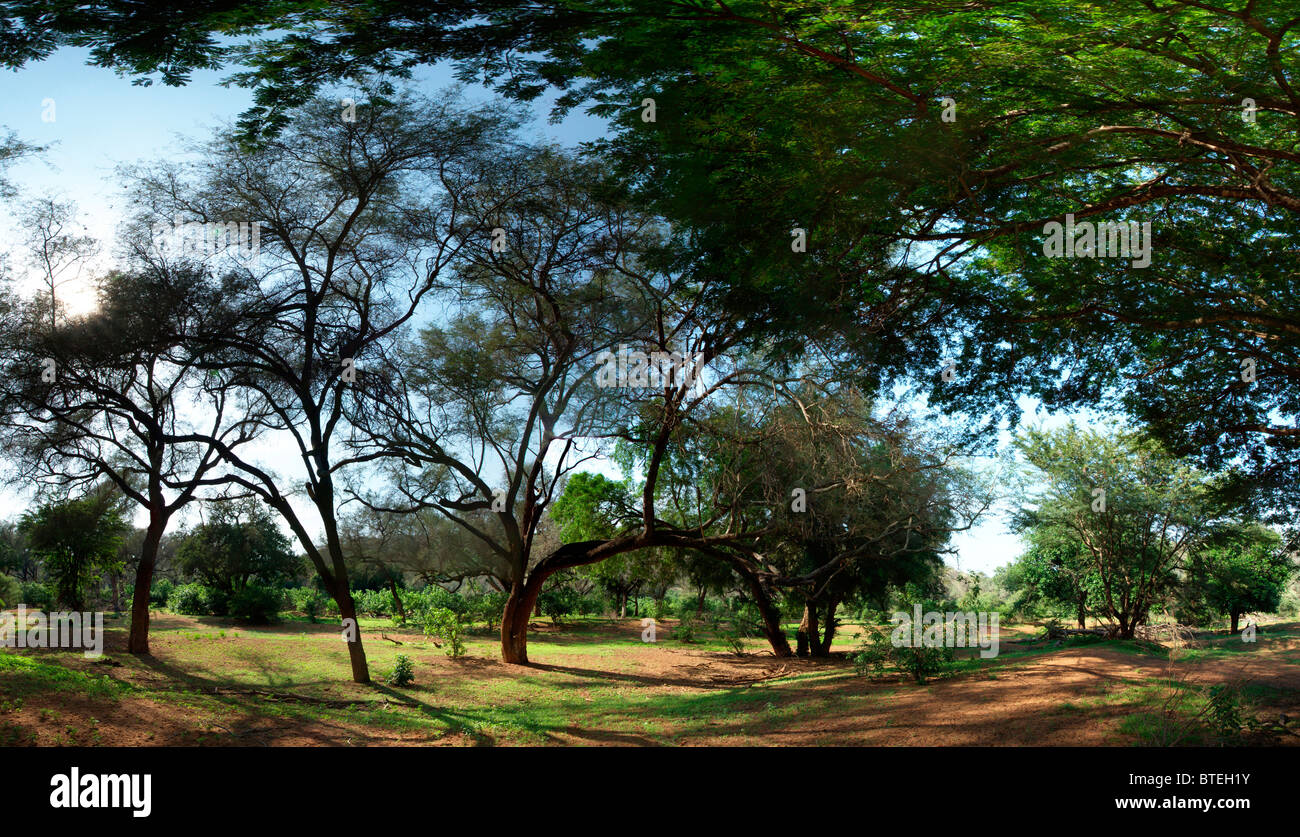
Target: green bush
(36,595)
(403,673)
(10,591)
(589,605)
(486,607)
(308,600)
(257,604)
(432,597)
(189,600)
(685,630)
(446,628)
(558,602)
(218,602)
(878,652)
(160,591)
(374,602)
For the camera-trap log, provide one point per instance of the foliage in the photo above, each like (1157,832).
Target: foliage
(37,595)
(241,542)
(1118,512)
(446,628)
(878,653)
(1242,569)
(403,673)
(257,603)
(190,600)
(77,541)
(160,591)
(10,591)
(308,600)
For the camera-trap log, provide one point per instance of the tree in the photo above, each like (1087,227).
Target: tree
(239,544)
(522,381)
(357,221)
(16,556)
(77,542)
(1137,512)
(1057,569)
(828,498)
(1242,569)
(56,252)
(110,396)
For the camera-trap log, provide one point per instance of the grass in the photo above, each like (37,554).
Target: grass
(593,681)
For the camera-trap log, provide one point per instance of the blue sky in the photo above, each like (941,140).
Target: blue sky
(101,120)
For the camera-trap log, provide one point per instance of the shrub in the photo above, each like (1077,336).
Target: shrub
(685,630)
(588,605)
(374,602)
(878,652)
(403,673)
(218,602)
(189,600)
(257,604)
(434,596)
(558,603)
(10,591)
(160,591)
(733,637)
(307,600)
(36,595)
(446,628)
(486,607)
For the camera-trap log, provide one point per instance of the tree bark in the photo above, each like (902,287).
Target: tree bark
(138,640)
(356,653)
(802,646)
(828,631)
(699,604)
(514,620)
(397,600)
(771,617)
(1236,617)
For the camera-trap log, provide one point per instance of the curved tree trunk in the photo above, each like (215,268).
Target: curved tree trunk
(514,620)
(771,616)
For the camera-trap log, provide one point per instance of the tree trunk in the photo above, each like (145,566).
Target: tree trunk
(814,630)
(828,632)
(1236,616)
(802,646)
(514,620)
(400,612)
(138,640)
(1082,614)
(356,653)
(699,603)
(771,617)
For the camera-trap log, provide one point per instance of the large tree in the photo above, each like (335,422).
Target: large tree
(358,216)
(1137,512)
(76,540)
(1243,568)
(963,127)
(107,396)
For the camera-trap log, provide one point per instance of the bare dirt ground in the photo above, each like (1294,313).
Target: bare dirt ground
(658,694)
